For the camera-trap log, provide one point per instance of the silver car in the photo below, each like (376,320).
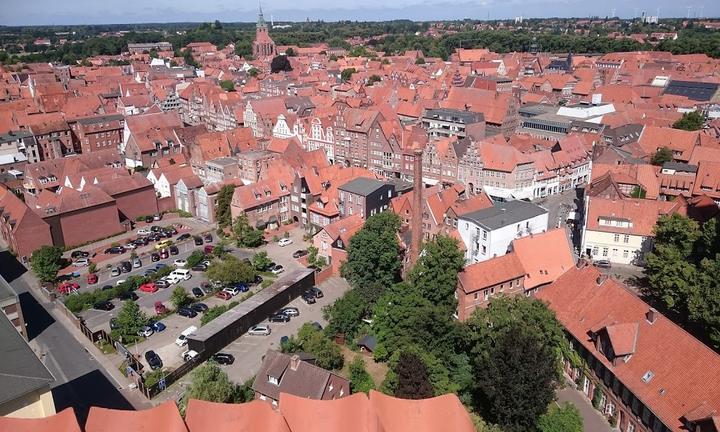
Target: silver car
(259,330)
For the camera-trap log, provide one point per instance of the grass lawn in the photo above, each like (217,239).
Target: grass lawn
(376,370)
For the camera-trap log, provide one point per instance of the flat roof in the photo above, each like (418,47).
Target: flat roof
(506,213)
(362,186)
(228,318)
(21,372)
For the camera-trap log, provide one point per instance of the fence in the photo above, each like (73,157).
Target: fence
(173,376)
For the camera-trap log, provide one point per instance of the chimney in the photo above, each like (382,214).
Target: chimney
(601,278)
(651,315)
(294,362)
(417,208)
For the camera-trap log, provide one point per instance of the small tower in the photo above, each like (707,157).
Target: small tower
(263,45)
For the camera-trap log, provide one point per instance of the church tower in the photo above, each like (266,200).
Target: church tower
(263,45)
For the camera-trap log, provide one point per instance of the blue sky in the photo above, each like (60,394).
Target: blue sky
(34,12)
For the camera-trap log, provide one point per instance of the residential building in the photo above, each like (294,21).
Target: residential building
(450,122)
(25,381)
(333,239)
(20,146)
(22,230)
(285,373)
(99,132)
(144,48)
(487,233)
(640,370)
(364,197)
(221,169)
(10,306)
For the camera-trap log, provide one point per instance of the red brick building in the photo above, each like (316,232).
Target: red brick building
(21,229)
(99,132)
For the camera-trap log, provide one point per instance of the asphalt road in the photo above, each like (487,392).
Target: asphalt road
(80,381)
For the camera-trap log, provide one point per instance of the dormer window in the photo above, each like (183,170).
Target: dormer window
(274,381)
(648,376)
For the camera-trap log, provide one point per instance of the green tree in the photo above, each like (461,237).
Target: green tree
(346,314)
(245,235)
(179,297)
(153,53)
(704,304)
(373,79)
(565,418)
(677,231)
(211,383)
(195,258)
(516,378)
(280,63)
(347,73)
(261,261)
(290,52)
(436,271)
(690,121)
(412,377)
(227,85)
(46,262)
(130,320)
(374,247)
(420,61)
(230,271)
(253,72)
(223,205)
(662,155)
(360,379)
(310,339)
(213,313)
(672,278)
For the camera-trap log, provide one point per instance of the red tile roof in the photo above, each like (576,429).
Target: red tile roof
(426,415)
(641,213)
(685,372)
(491,272)
(255,416)
(64,421)
(162,418)
(544,256)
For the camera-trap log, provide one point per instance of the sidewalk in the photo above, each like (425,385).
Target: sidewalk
(593,421)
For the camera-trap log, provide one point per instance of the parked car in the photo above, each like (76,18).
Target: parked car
(150,272)
(104,305)
(189,355)
(125,267)
(146,332)
(317,325)
(308,298)
(130,245)
(602,264)
(119,282)
(155,257)
(82,262)
(182,237)
(182,339)
(278,317)
(148,219)
(115,272)
(300,253)
(180,263)
(92,278)
(155,228)
(160,266)
(199,307)
(163,244)
(241,286)
(137,263)
(182,274)
(233,291)
(173,250)
(316,292)
(208,249)
(157,326)
(208,238)
(164,254)
(258,279)
(160,308)
(143,232)
(141,241)
(223,358)
(157,216)
(277,269)
(187,312)
(162,283)
(259,330)
(198,292)
(290,311)
(148,287)
(115,250)
(113,323)
(153,360)
(223,295)
(79,254)
(129,295)
(107,287)
(285,242)
(68,287)
(198,240)
(200,267)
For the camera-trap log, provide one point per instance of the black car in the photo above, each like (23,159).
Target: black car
(278,317)
(148,219)
(155,257)
(79,254)
(197,239)
(224,358)
(104,305)
(130,295)
(186,312)
(602,264)
(199,307)
(208,238)
(200,267)
(115,250)
(316,292)
(141,241)
(173,250)
(155,228)
(170,230)
(154,237)
(258,279)
(107,287)
(300,253)
(308,297)
(182,237)
(198,292)
(113,323)
(125,267)
(153,360)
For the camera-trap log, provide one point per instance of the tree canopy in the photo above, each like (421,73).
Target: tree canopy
(129,321)
(312,340)
(690,121)
(211,383)
(179,297)
(564,418)
(436,271)
(223,205)
(412,377)
(227,85)
(246,235)
(230,270)
(347,73)
(46,262)
(662,155)
(280,63)
(360,379)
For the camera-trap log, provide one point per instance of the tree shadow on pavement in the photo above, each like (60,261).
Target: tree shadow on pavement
(10,267)
(91,389)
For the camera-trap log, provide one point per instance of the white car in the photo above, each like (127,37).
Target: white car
(285,242)
(259,330)
(189,355)
(120,282)
(180,274)
(180,263)
(82,262)
(233,291)
(182,339)
(143,231)
(146,332)
(278,269)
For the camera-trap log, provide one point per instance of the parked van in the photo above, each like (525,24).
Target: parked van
(183,274)
(182,339)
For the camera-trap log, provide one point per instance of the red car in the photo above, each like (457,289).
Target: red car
(92,278)
(223,295)
(68,287)
(160,308)
(208,249)
(149,287)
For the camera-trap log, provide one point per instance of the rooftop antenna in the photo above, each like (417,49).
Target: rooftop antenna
(272,22)
(689,9)
(612,13)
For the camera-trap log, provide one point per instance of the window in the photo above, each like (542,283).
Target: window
(630,427)
(595,250)
(626,239)
(484,250)
(484,235)
(614,252)
(625,253)
(605,252)
(476,296)
(616,238)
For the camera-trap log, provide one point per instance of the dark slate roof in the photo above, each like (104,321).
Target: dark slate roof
(362,186)
(504,213)
(699,91)
(14,136)
(678,166)
(368,341)
(100,119)
(453,115)
(21,372)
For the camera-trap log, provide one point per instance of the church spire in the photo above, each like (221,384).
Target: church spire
(261,18)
